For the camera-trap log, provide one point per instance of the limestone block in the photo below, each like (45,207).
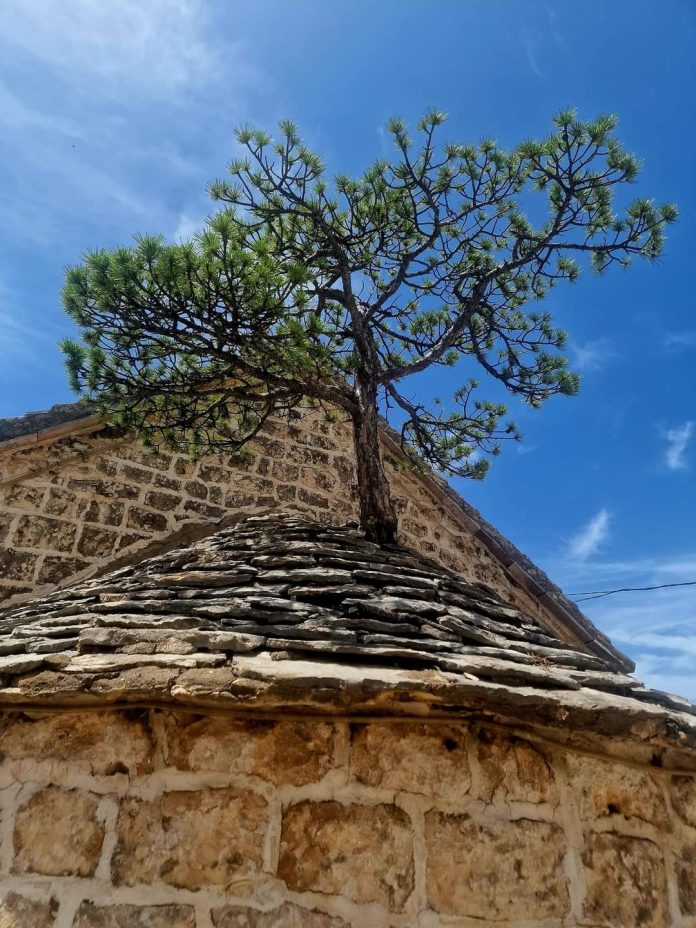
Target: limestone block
(17,565)
(285,916)
(109,742)
(57,833)
(683,790)
(134,916)
(19,912)
(55,568)
(419,758)
(278,752)
(513,770)
(605,789)
(625,882)
(146,520)
(498,870)
(96,542)
(190,839)
(362,852)
(686,878)
(42,532)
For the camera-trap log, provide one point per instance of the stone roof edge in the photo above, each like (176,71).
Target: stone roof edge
(259,686)
(61,421)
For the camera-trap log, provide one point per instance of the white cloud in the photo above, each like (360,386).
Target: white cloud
(187,227)
(677,441)
(150,47)
(680,340)
(591,355)
(590,537)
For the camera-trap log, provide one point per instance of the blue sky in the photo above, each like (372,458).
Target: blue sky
(115,115)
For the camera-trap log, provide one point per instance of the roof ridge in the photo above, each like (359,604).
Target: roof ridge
(64,419)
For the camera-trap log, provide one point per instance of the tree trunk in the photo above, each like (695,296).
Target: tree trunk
(377,514)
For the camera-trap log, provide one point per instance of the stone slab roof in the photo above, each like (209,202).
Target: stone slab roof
(69,418)
(280,605)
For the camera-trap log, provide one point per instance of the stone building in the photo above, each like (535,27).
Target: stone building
(223,708)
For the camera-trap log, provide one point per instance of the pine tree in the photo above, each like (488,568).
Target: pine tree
(300,291)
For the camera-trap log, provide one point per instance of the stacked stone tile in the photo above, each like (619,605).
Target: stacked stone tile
(77,496)
(282,588)
(282,725)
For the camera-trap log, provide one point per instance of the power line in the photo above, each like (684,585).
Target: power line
(598,594)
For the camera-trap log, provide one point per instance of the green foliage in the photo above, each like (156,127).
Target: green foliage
(303,288)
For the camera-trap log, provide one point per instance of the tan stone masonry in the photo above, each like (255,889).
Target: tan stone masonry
(156,819)
(74,504)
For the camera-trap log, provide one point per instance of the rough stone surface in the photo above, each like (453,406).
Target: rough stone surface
(428,759)
(104,744)
(284,916)
(686,877)
(513,770)
(19,912)
(216,822)
(607,790)
(190,839)
(362,852)
(626,882)
(90,915)
(506,870)
(276,751)
(683,791)
(57,833)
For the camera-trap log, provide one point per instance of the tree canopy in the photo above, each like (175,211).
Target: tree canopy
(335,293)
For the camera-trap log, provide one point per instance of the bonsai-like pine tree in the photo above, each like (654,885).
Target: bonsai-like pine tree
(300,291)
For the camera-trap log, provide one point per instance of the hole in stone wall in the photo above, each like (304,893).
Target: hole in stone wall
(612,809)
(450,744)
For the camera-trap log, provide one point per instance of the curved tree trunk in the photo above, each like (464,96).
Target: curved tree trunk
(377,514)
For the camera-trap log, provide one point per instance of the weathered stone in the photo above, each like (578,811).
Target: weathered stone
(95,542)
(607,789)
(111,513)
(107,742)
(146,520)
(55,568)
(90,915)
(109,488)
(683,790)
(362,852)
(59,502)
(285,916)
(625,880)
(57,833)
(685,862)
(221,830)
(196,489)
(41,532)
(497,870)
(17,565)
(417,758)
(162,501)
(513,770)
(278,752)
(19,912)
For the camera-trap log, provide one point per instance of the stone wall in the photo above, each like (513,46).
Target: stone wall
(73,506)
(148,819)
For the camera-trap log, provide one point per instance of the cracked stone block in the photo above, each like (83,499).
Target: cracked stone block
(108,742)
(420,758)
(497,870)
(19,912)
(362,852)
(57,833)
(512,770)
(284,916)
(626,883)
(221,830)
(610,789)
(278,752)
(134,916)
(683,791)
